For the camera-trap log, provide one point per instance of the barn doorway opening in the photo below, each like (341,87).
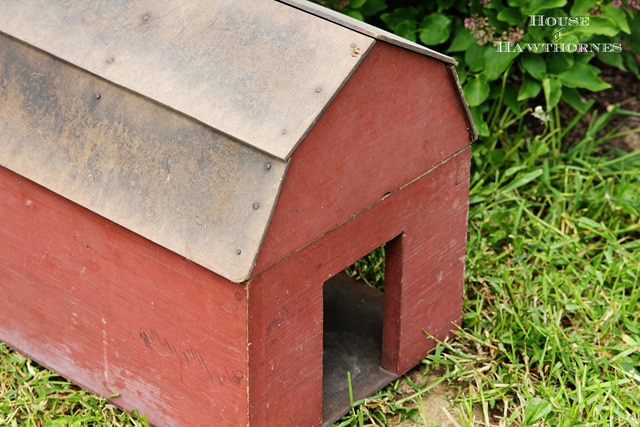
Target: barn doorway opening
(353,333)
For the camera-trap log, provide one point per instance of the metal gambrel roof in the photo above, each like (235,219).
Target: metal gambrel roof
(157,173)
(98,98)
(258,71)
(366,29)
(174,119)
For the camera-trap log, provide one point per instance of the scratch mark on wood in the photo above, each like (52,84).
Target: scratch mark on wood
(162,347)
(105,357)
(201,360)
(145,338)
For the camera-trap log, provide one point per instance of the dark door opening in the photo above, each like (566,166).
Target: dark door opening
(353,322)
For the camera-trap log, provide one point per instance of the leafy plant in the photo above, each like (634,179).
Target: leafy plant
(369,269)
(544,48)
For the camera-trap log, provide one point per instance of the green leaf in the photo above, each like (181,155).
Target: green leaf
(402,21)
(462,41)
(572,97)
(476,91)
(633,39)
(481,125)
(566,37)
(612,58)
(534,65)
(497,62)
(496,157)
(579,59)
(582,8)
(537,6)
(530,88)
(445,4)
(630,61)
(630,340)
(590,224)
(356,4)
(474,57)
(558,63)
(354,14)
(583,76)
(511,16)
(462,75)
(616,14)
(552,91)
(511,98)
(599,25)
(522,180)
(371,7)
(536,410)
(435,29)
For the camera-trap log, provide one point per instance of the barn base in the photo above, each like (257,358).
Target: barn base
(353,313)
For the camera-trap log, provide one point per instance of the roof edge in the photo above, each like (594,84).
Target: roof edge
(366,29)
(473,131)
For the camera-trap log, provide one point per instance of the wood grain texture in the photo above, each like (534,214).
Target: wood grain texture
(424,293)
(388,161)
(116,313)
(152,170)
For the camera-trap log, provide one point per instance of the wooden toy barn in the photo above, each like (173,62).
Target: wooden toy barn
(182,183)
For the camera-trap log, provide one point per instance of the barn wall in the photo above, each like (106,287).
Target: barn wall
(424,292)
(398,116)
(118,314)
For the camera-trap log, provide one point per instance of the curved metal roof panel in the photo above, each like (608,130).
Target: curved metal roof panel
(366,29)
(174,119)
(259,71)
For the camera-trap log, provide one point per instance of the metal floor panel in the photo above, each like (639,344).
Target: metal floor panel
(352,343)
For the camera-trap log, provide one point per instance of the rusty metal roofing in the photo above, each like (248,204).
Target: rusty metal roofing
(158,173)
(366,29)
(259,71)
(135,110)
(174,119)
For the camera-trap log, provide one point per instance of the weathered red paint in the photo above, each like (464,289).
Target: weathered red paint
(424,293)
(347,193)
(372,139)
(388,161)
(119,314)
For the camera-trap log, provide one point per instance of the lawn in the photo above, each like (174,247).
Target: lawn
(550,333)
(551,325)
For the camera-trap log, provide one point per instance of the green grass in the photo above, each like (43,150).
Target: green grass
(551,326)
(33,396)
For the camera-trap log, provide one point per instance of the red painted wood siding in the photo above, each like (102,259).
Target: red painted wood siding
(396,117)
(119,314)
(423,292)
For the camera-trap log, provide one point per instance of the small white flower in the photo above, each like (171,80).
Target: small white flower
(540,114)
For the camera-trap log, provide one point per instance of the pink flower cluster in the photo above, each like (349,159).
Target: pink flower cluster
(485,33)
(480,28)
(632,5)
(484,3)
(513,35)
